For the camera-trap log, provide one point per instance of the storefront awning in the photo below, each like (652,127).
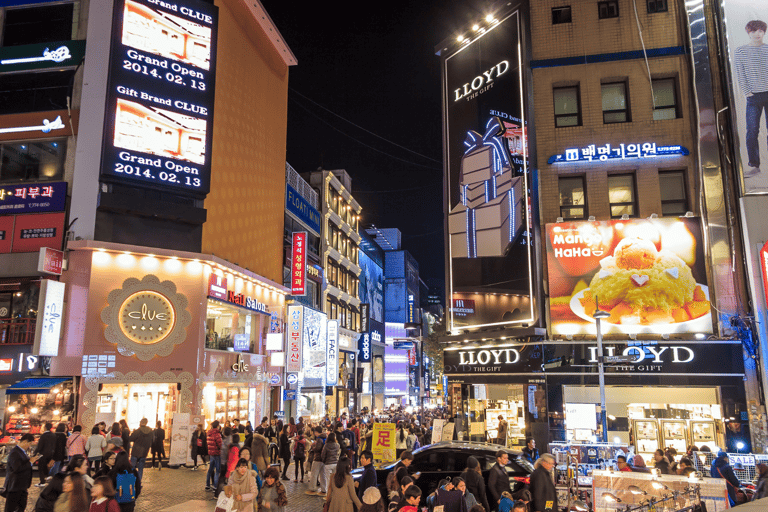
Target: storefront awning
(35,385)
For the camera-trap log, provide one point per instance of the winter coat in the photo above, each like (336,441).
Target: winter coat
(75,444)
(46,445)
(158,436)
(95,445)
(343,499)
(316,450)
(126,437)
(476,486)
(275,495)
(722,469)
(543,491)
(214,442)
(330,454)
(498,482)
(285,447)
(761,490)
(260,451)
(142,441)
(60,451)
(244,486)
(50,493)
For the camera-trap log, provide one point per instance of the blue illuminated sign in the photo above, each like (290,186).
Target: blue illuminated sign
(622,152)
(300,207)
(33,198)
(289,394)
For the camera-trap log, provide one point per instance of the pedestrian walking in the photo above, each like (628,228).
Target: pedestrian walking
(60,448)
(368,478)
(196,445)
(330,458)
(142,441)
(473,477)
(721,468)
(102,496)
(108,464)
(18,475)
(299,455)
(233,456)
(214,452)
(530,452)
(317,470)
(498,481)
(661,462)
(45,448)
(401,440)
(94,448)
(76,442)
(761,489)
(73,498)
(285,453)
(243,486)
(158,445)
(411,499)
(79,464)
(341,489)
(543,493)
(125,435)
(451,498)
(260,446)
(372,501)
(272,496)
(126,482)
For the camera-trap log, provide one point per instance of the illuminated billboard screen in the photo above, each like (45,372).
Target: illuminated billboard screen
(489,242)
(746,22)
(372,286)
(649,275)
(159,122)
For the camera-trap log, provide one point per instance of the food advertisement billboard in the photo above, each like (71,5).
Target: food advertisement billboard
(746,22)
(159,122)
(649,275)
(486,178)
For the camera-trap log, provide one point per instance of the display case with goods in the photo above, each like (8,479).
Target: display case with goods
(512,411)
(586,457)
(674,434)
(704,433)
(230,402)
(646,436)
(133,402)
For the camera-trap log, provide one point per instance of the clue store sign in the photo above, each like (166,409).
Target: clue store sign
(159,123)
(621,152)
(299,264)
(48,331)
(29,57)
(332,355)
(294,328)
(33,198)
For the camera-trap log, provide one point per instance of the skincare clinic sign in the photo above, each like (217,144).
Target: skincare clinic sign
(604,153)
(159,122)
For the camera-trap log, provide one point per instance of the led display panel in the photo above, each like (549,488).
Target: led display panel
(648,274)
(372,286)
(159,119)
(487,180)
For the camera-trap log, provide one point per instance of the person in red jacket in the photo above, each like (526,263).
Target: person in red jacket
(214,452)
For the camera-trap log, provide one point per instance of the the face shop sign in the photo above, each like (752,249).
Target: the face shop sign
(492,360)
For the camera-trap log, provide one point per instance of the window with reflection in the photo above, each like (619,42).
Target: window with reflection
(621,195)
(41,160)
(674,197)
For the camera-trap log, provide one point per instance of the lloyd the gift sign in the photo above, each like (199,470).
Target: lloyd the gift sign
(620,152)
(299,264)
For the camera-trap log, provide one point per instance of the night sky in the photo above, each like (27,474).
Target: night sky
(375,65)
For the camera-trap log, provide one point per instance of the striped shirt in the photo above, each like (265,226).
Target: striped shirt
(752,68)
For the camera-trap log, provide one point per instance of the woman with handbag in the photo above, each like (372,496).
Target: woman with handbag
(341,495)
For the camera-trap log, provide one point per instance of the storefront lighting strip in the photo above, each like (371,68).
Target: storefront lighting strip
(473,344)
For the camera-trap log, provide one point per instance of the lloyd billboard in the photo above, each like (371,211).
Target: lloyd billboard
(486,175)
(650,275)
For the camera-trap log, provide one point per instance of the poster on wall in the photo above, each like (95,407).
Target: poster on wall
(746,23)
(489,242)
(159,122)
(650,275)
(180,439)
(384,442)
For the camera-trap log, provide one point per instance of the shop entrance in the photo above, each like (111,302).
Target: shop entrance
(132,402)
(492,401)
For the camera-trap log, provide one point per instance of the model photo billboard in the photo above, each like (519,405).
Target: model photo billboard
(487,182)
(372,286)
(649,275)
(746,22)
(159,122)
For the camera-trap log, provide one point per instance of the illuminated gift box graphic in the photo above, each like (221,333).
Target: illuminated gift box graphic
(490,213)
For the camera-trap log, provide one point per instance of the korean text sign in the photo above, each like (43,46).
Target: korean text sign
(384,442)
(159,123)
(650,275)
(299,264)
(294,341)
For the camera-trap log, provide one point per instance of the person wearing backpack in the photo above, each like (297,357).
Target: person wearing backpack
(299,454)
(126,482)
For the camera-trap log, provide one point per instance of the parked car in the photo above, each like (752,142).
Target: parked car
(448,459)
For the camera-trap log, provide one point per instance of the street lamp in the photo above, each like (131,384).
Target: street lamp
(598,315)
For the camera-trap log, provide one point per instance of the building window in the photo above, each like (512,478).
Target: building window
(232,328)
(621,195)
(45,24)
(572,198)
(655,6)
(665,99)
(615,103)
(35,92)
(41,160)
(609,9)
(561,14)
(567,106)
(674,200)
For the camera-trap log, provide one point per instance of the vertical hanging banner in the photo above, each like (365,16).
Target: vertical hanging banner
(299,264)
(50,313)
(764,267)
(294,329)
(365,316)
(332,355)
(158,129)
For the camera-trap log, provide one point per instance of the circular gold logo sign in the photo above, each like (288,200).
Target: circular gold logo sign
(146,317)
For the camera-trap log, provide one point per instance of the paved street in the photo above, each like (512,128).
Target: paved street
(182,490)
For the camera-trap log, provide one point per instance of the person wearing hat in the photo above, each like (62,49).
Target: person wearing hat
(115,445)
(372,501)
(721,468)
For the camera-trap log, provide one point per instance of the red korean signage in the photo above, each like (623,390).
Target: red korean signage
(412,356)
(217,287)
(6,365)
(50,261)
(764,267)
(299,264)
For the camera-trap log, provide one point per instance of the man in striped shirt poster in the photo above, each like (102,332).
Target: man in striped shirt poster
(752,75)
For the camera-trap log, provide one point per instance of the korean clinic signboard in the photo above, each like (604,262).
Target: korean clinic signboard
(301,209)
(33,198)
(650,275)
(217,287)
(33,232)
(159,122)
(745,20)
(315,330)
(299,264)
(484,126)
(372,286)
(31,57)
(332,354)
(48,330)
(294,340)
